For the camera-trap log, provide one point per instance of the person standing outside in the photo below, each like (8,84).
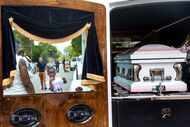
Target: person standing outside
(63,62)
(57,65)
(41,68)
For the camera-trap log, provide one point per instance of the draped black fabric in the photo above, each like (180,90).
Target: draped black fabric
(92,55)
(51,23)
(9,50)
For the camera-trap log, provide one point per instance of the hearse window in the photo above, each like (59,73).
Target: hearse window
(44,57)
(157,74)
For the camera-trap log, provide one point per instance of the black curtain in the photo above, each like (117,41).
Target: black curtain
(9,51)
(51,23)
(92,57)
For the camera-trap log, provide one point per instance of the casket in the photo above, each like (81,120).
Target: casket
(150,68)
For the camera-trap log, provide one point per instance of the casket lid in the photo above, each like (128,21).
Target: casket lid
(152,51)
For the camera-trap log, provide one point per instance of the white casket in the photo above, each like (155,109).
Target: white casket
(149,68)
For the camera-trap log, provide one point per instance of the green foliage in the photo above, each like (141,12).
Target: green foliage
(71,52)
(24,43)
(59,56)
(75,49)
(35,51)
(46,50)
(77,45)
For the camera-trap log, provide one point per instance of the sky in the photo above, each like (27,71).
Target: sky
(61,46)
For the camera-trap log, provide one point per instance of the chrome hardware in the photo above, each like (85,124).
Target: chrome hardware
(166,113)
(25,117)
(80,113)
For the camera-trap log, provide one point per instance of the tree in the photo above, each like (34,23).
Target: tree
(75,49)
(77,45)
(44,50)
(71,52)
(36,52)
(23,43)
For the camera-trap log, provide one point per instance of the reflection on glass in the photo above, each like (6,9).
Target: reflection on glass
(47,67)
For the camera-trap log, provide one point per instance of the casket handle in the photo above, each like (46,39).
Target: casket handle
(166,113)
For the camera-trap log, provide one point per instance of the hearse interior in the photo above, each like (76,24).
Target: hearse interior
(150,63)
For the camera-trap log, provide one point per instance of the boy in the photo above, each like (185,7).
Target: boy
(41,68)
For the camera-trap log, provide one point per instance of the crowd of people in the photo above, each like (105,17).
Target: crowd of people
(55,83)
(46,71)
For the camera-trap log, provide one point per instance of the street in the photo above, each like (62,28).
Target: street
(70,86)
(17,88)
(68,75)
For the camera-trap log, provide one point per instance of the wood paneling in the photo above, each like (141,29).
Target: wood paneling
(53,107)
(12,103)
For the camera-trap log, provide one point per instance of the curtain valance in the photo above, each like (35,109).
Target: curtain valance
(46,40)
